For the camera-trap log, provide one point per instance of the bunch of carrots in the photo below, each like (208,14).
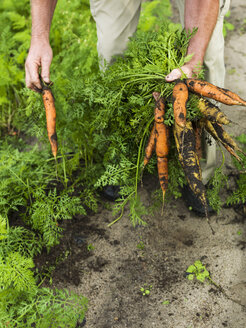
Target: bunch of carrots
(187,134)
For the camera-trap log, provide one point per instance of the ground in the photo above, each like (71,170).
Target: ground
(110,265)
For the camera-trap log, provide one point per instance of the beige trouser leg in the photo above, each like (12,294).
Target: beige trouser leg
(215,73)
(116,21)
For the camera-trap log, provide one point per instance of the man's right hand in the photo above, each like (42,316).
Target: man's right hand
(39,57)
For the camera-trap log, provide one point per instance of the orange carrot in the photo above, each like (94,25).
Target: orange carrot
(150,146)
(162,142)
(49,104)
(162,166)
(180,97)
(209,90)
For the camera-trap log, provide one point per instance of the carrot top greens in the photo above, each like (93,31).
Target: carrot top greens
(142,70)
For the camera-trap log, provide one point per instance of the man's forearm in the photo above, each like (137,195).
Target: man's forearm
(40,52)
(42,12)
(201,14)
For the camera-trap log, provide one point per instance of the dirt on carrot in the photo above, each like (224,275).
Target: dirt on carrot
(212,112)
(209,90)
(198,137)
(180,98)
(186,146)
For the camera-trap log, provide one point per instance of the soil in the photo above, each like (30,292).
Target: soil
(110,265)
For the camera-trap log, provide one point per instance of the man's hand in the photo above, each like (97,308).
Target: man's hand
(200,14)
(39,57)
(176,73)
(40,53)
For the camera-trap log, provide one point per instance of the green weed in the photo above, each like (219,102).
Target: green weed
(227,26)
(90,247)
(198,271)
(238,196)
(146,290)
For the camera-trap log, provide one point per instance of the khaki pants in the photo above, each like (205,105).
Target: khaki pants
(117,20)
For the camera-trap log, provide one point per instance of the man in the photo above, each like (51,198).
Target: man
(116,21)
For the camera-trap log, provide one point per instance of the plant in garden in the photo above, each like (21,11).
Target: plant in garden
(22,302)
(46,212)
(141,245)
(25,177)
(215,185)
(238,195)
(90,247)
(152,13)
(198,270)
(14,43)
(146,289)
(42,307)
(227,26)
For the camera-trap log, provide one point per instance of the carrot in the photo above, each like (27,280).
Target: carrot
(212,112)
(223,137)
(150,146)
(226,138)
(180,97)
(198,133)
(185,143)
(159,107)
(209,90)
(49,104)
(162,166)
(232,152)
(162,142)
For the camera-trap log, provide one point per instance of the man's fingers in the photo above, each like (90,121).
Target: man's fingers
(177,73)
(45,68)
(32,77)
(45,71)
(174,75)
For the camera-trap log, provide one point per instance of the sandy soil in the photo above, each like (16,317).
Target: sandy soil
(121,259)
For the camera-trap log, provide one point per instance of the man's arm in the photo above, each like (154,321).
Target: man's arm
(40,52)
(202,14)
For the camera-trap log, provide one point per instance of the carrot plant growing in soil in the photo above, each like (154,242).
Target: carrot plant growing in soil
(30,189)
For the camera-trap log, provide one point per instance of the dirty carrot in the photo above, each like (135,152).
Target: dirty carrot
(186,146)
(223,137)
(49,104)
(180,97)
(198,134)
(209,90)
(212,112)
(185,143)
